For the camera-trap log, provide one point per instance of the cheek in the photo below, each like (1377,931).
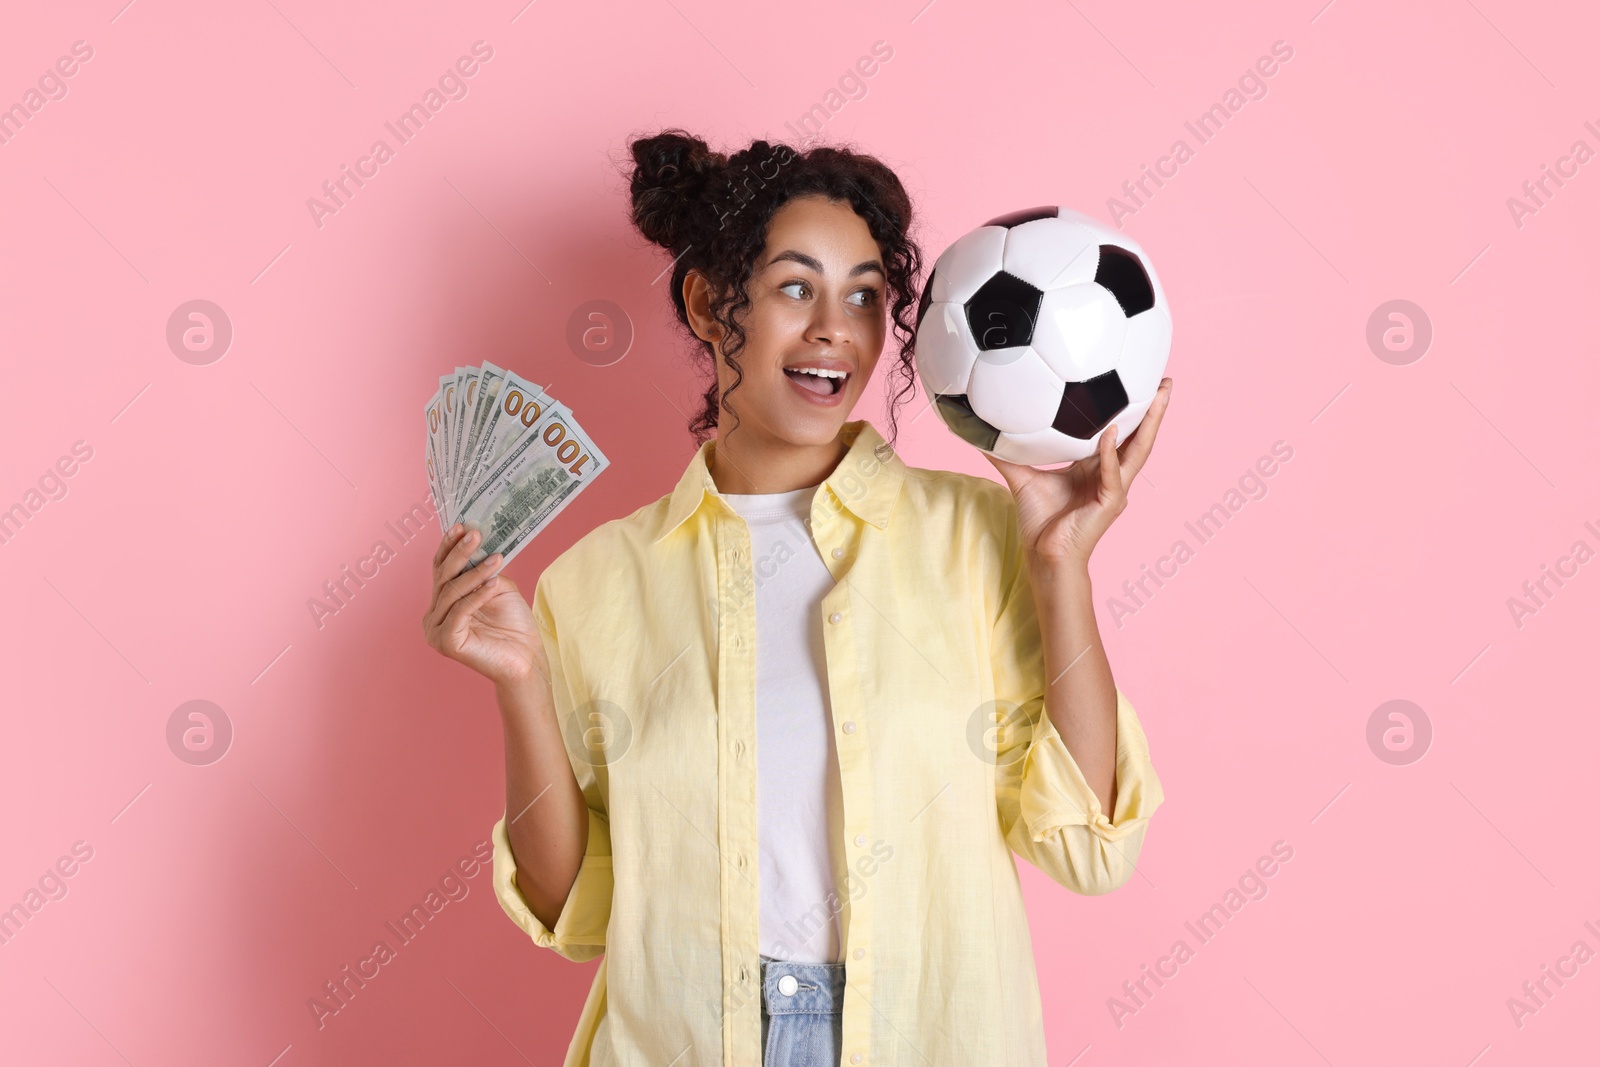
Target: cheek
(766,337)
(871,336)
(768,333)
(879,332)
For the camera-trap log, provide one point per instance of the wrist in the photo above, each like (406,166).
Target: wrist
(517,674)
(1070,569)
(517,698)
(510,687)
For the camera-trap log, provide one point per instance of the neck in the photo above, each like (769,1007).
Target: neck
(742,464)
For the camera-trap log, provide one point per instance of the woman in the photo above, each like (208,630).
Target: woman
(782,729)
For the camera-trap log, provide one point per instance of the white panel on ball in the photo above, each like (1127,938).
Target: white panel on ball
(1144,355)
(967,264)
(1127,421)
(1051,253)
(1013,390)
(1081,331)
(945,350)
(1041,449)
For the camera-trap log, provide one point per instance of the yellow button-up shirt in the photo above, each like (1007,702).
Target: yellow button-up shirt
(947,763)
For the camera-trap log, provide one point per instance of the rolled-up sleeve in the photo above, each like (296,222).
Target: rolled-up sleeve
(1049,814)
(580,930)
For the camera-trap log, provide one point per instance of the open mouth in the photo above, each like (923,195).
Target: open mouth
(823,383)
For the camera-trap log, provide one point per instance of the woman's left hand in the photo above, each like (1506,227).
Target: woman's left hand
(1062,513)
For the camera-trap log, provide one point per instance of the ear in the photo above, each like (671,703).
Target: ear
(697,295)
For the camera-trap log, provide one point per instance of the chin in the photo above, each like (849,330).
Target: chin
(816,431)
(805,428)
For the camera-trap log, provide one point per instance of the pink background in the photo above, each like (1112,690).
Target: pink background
(219,498)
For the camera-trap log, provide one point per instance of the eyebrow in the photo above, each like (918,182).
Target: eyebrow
(804,260)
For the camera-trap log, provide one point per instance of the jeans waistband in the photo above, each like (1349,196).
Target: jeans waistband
(817,987)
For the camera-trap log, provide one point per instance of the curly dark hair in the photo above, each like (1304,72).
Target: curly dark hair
(712,212)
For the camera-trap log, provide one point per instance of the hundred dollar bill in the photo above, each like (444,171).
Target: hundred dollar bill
(433,484)
(447,385)
(434,413)
(466,400)
(529,486)
(519,405)
(521,416)
(489,379)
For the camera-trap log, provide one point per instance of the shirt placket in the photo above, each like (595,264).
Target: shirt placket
(839,539)
(737,829)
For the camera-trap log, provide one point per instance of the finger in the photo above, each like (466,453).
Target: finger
(1110,469)
(457,619)
(451,536)
(1137,448)
(443,568)
(448,563)
(467,582)
(455,561)
(448,584)
(471,579)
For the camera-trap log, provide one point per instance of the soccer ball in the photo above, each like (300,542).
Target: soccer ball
(1038,330)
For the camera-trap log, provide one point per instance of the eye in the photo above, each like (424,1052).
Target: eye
(869,293)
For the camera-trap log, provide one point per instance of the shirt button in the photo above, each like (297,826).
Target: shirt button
(855,1057)
(860,952)
(838,553)
(738,642)
(788,984)
(835,617)
(861,839)
(849,727)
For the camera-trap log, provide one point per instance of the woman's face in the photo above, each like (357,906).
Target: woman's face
(817,297)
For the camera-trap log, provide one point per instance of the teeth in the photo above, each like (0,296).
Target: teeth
(818,372)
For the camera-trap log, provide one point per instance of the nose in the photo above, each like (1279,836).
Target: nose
(829,325)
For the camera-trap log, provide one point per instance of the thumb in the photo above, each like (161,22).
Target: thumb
(1016,475)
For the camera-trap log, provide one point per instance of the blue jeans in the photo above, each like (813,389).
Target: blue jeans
(802,1013)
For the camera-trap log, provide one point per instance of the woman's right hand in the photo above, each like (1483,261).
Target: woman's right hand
(478,617)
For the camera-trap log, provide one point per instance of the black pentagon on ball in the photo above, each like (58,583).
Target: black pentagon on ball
(1031,214)
(957,414)
(1121,272)
(927,298)
(1002,312)
(1088,407)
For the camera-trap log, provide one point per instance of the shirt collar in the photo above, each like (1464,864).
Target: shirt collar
(866,481)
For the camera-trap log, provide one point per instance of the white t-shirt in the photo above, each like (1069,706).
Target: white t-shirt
(799,799)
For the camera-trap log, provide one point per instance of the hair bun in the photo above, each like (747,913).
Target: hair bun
(671,172)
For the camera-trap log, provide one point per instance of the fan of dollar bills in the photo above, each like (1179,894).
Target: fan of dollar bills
(504,457)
